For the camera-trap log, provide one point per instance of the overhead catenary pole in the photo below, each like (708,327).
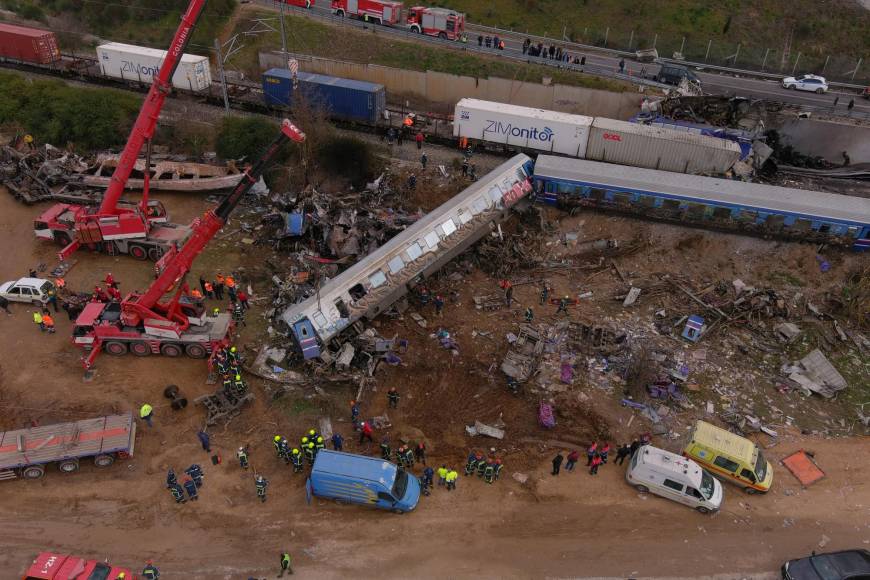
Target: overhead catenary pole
(857,66)
(223,79)
(796,61)
(764,60)
(283,33)
(709,44)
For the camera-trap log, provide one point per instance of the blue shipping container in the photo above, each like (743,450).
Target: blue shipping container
(341,98)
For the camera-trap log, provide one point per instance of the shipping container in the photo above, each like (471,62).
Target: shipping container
(340,98)
(659,148)
(522,127)
(140,63)
(28,44)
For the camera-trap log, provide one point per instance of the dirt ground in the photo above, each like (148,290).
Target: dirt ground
(571,526)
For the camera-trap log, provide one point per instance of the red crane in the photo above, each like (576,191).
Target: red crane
(109,226)
(145,323)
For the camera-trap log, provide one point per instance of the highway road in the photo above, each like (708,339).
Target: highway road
(606,65)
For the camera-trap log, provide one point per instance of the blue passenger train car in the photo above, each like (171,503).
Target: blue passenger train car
(341,98)
(718,203)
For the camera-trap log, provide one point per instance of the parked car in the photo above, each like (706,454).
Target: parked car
(730,457)
(845,565)
(654,470)
(33,290)
(811,83)
(673,74)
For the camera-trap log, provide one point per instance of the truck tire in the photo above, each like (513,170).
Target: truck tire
(62,239)
(196,351)
(416,29)
(115,348)
(68,466)
(33,472)
(154,254)
(104,460)
(140,348)
(170,391)
(138,252)
(442,35)
(641,488)
(702,509)
(340,13)
(171,350)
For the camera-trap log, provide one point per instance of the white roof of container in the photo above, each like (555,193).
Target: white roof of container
(762,197)
(665,461)
(666,134)
(146,51)
(541,114)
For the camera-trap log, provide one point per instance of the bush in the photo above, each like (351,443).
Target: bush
(244,137)
(86,119)
(350,158)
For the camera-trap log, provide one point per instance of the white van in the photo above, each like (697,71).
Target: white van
(654,470)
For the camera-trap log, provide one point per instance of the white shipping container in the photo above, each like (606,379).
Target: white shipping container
(523,127)
(126,61)
(659,148)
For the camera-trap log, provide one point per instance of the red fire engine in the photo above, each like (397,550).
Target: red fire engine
(439,22)
(146,323)
(377,11)
(299,3)
(117,228)
(49,566)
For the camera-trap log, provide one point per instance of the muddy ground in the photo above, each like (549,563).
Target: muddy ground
(573,525)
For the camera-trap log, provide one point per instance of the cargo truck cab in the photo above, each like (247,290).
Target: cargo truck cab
(357,479)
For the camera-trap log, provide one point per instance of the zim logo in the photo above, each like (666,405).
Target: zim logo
(612,137)
(464,115)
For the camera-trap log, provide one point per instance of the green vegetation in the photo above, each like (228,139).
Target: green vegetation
(311,37)
(149,22)
(840,28)
(246,137)
(350,158)
(84,119)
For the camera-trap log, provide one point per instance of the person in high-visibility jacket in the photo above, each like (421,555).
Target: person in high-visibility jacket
(319,444)
(37,319)
(146,413)
(296,458)
(285,564)
(451,479)
(442,474)
(48,322)
(277,442)
(150,572)
(489,471)
(309,453)
(240,386)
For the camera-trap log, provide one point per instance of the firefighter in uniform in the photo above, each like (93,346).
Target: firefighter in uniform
(196,474)
(171,479)
(303,443)
(243,457)
(228,385)
(177,492)
(313,435)
(150,572)
(409,457)
(481,466)
(309,453)
(277,441)
(489,471)
(385,448)
(319,445)
(240,386)
(261,483)
(498,466)
(233,358)
(400,456)
(285,451)
(296,458)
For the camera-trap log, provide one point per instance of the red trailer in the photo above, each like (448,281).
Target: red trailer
(440,22)
(50,566)
(378,11)
(28,44)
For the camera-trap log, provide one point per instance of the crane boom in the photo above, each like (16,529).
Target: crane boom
(143,128)
(177,263)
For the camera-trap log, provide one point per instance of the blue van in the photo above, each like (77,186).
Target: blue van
(349,478)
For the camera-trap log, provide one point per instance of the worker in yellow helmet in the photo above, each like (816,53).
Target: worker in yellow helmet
(296,458)
(146,413)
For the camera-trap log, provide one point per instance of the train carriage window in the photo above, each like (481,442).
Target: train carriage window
(565,188)
(377,279)
(622,198)
(414,251)
(695,210)
(824,228)
(357,291)
(480,205)
(521,175)
(802,225)
(464,217)
(647,201)
(432,240)
(396,264)
(670,204)
(853,232)
(746,215)
(449,227)
(319,319)
(721,213)
(342,308)
(495,194)
(596,193)
(775,221)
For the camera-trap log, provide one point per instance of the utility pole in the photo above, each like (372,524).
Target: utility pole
(220,62)
(283,33)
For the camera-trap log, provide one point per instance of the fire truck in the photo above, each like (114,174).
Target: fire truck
(377,11)
(114,227)
(166,319)
(51,566)
(439,22)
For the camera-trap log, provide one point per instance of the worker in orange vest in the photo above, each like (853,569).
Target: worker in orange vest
(219,286)
(48,321)
(196,294)
(231,288)
(209,289)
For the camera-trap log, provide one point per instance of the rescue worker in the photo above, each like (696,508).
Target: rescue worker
(285,564)
(233,357)
(365,432)
(409,457)
(296,459)
(393,397)
(310,453)
(604,452)
(195,293)
(227,384)
(190,487)
(240,386)
(424,160)
(177,492)
(216,312)
(208,288)
(231,288)
(622,453)
(596,462)
(354,414)
(150,572)
(52,299)
(204,440)
(303,443)
(243,299)
(420,453)
(261,483)
(276,440)
(110,280)
(563,305)
(385,448)
(242,454)
(319,445)
(530,315)
(400,456)
(195,472)
(442,474)
(285,451)
(481,465)
(590,453)
(239,314)
(146,413)
(219,286)
(337,442)
(48,321)
(439,304)
(451,479)
(37,319)
(471,465)
(498,465)
(489,472)
(171,479)
(312,435)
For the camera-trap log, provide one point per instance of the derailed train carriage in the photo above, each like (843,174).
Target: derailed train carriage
(765,210)
(377,281)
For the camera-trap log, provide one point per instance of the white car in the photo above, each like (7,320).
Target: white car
(32,290)
(812,83)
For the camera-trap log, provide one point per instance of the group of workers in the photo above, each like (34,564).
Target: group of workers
(488,468)
(190,484)
(227,363)
(310,444)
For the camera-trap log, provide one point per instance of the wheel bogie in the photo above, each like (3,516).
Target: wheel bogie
(140,348)
(138,252)
(196,351)
(68,466)
(171,350)
(115,348)
(33,472)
